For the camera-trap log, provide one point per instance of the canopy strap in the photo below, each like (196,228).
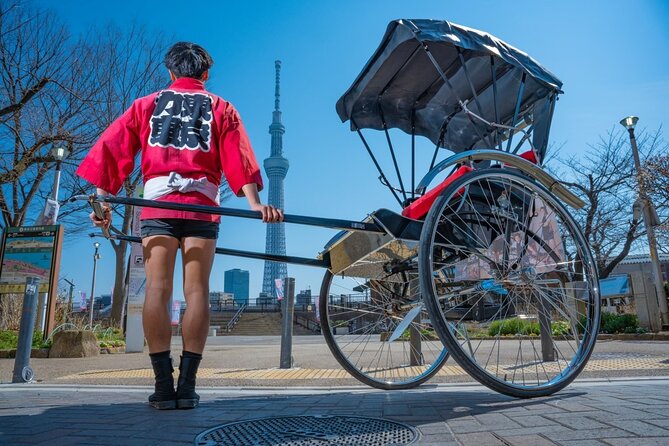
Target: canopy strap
(471,86)
(493,71)
(453,90)
(371,155)
(521,89)
(512,130)
(413,153)
(392,153)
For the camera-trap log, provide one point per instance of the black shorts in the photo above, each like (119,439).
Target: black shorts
(179,228)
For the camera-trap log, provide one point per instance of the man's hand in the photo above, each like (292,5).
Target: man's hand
(106,221)
(270,214)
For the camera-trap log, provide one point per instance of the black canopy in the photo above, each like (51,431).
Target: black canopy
(424,70)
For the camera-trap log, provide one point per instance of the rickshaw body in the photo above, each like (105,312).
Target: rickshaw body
(488,266)
(490,262)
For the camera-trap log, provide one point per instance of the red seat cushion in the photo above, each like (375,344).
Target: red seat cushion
(529,156)
(419,208)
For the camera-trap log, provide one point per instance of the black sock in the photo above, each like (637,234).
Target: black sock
(187,354)
(160,355)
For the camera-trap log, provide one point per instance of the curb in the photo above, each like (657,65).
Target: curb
(43,353)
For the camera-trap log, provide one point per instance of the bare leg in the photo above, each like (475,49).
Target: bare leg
(198,258)
(160,253)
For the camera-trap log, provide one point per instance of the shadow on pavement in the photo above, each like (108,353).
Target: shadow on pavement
(122,417)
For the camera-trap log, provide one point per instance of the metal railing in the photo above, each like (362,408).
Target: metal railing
(307,323)
(234,319)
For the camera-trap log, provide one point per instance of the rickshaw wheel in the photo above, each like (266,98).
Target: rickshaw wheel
(358,319)
(510,283)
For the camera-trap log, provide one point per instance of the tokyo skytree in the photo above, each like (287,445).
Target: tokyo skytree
(276,167)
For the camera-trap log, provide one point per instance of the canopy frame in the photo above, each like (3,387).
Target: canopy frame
(526,111)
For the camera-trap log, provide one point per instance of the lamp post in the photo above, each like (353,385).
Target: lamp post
(59,154)
(50,213)
(96,256)
(629,123)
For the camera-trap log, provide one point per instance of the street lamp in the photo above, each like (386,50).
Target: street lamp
(59,154)
(96,256)
(51,206)
(648,212)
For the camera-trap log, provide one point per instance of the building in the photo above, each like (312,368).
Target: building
(219,299)
(276,168)
(303,298)
(103,300)
(641,263)
(237,284)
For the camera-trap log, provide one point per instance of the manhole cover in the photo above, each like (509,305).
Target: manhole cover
(309,431)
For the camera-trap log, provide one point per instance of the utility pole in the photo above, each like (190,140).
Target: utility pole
(629,123)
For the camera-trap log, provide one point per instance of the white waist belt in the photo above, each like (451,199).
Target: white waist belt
(160,186)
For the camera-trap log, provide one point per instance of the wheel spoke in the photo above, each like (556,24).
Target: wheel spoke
(512,288)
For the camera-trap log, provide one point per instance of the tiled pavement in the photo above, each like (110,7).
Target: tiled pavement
(633,411)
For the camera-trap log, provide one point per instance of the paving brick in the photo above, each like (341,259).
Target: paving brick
(528,440)
(478,439)
(576,421)
(655,441)
(587,434)
(642,429)
(532,420)
(586,416)
(582,443)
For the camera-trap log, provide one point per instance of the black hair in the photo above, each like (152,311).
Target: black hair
(186,59)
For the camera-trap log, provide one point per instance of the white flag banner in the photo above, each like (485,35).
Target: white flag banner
(176,312)
(49,214)
(278,283)
(82,300)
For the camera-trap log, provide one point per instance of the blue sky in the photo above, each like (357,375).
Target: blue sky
(610,55)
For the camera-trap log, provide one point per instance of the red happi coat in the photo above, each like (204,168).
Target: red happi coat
(183,129)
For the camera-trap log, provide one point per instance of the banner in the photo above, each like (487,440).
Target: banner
(278,283)
(50,213)
(176,312)
(82,301)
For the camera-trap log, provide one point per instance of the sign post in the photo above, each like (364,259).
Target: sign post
(287,305)
(134,330)
(22,371)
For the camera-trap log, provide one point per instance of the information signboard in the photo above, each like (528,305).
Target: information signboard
(31,251)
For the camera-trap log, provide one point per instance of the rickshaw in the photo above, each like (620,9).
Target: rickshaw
(483,260)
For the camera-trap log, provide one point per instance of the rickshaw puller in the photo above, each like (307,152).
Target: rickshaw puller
(188,138)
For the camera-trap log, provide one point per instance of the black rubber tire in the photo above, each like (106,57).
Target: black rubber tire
(343,360)
(439,321)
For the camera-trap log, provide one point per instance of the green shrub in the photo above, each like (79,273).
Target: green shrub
(514,326)
(615,323)
(517,326)
(560,328)
(619,323)
(9,339)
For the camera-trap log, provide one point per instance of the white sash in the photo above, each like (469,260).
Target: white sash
(160,186)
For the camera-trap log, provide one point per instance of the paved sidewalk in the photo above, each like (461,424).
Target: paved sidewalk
(587,413)
(244,361)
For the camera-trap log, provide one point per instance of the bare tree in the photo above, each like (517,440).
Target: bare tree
(129,67)
(45,91)
(656,182)
(605,178)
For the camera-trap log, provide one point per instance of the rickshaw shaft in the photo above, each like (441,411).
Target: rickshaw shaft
(346,225)
(247,254)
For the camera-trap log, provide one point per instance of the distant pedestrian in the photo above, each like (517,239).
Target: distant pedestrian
(188,138)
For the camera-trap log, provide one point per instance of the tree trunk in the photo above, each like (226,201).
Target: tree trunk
(119,293)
